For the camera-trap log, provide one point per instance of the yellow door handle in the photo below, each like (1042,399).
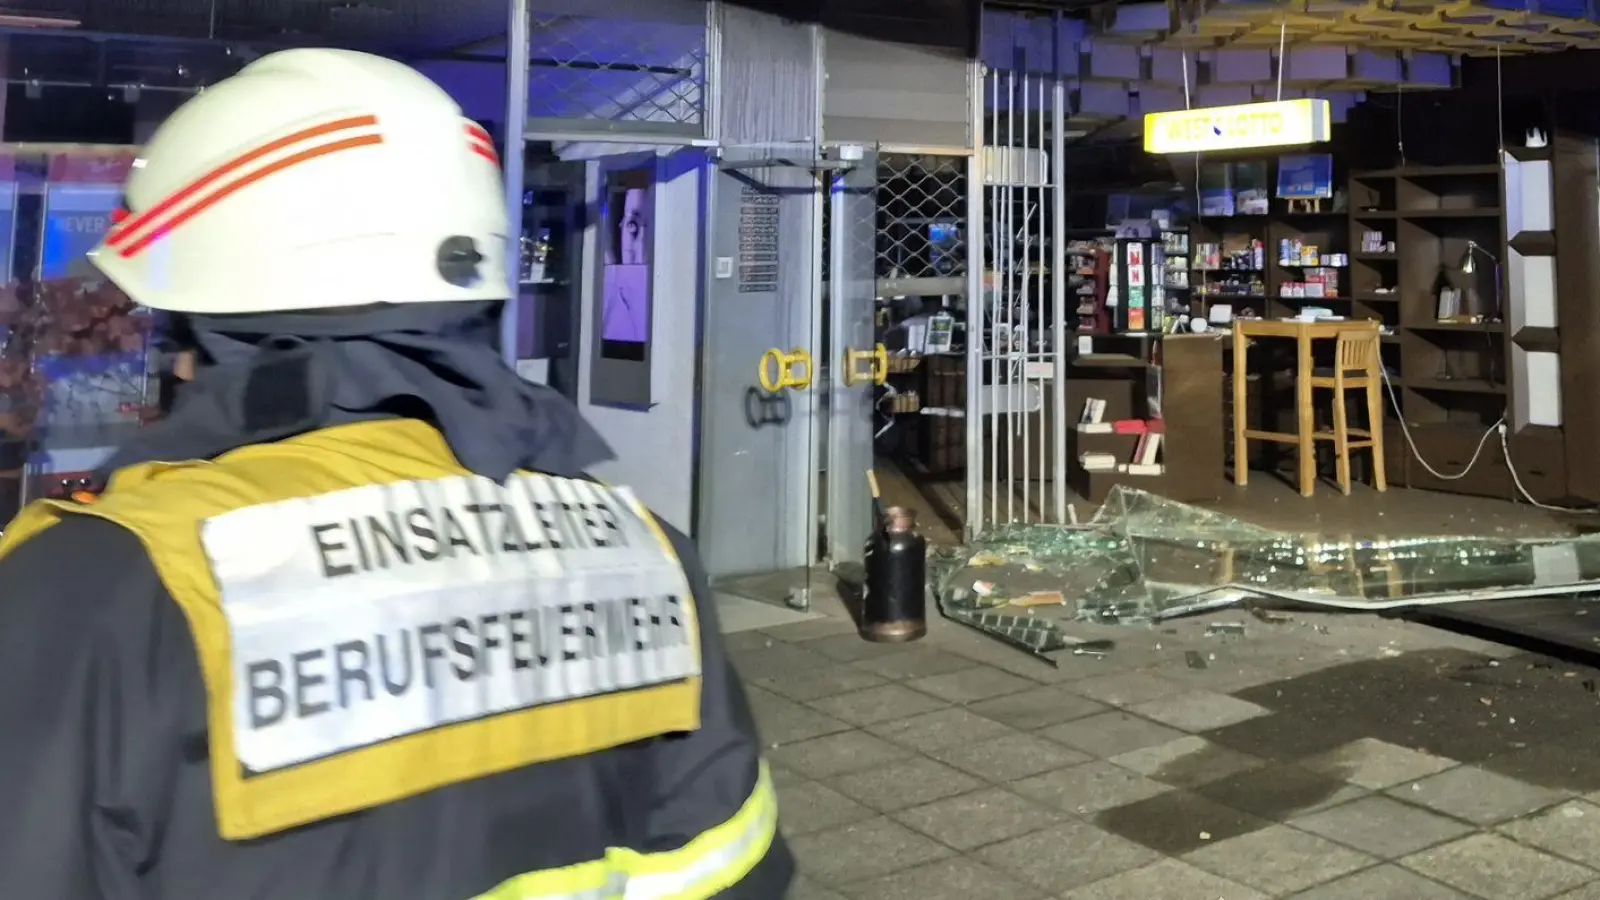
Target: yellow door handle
(781,370)
(877,360)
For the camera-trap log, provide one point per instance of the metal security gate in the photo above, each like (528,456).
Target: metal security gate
(1017,324)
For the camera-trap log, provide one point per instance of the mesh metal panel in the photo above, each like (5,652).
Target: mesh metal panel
(922,217)
(622,71)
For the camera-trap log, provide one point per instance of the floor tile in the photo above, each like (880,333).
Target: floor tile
(836,754)
(1381,883)
(902,784)
(1177,822)
(1186,762)
(851,648)
(1278,860)
(818,626)
(976,819)
(804,888)
(1109,734)
(1375,764)
(1571,830)
(1065,856)
(1166,880)
(1126,688)
(1038,707)
(1382,827)
(1088,788)
(1199,711)
(1495,868)
(877,704)
(1480,797)
(864,850)
(1286,738)
(1010,757)
(743,615)
(815,684)
(776,659)
(780,720)
(971,685)
(915,662)
(958,878)
(807,806)
(1279,792)
(942,728)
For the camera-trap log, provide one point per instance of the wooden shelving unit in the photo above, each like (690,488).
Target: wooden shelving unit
(1449,368)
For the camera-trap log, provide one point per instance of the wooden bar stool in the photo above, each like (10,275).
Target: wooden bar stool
(1356,367)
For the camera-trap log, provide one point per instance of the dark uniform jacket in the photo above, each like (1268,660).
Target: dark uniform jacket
(340,667)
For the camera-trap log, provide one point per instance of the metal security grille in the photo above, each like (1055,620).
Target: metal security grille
(624,74)
(922,218)
(1016,467)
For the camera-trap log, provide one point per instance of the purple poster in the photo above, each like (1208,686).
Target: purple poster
(626,314)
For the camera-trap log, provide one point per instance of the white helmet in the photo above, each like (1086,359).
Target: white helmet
(312,179)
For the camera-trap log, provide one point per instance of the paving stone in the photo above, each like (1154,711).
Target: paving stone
(807,806)
(1199,711)
(1568,830)
(915,662)
(1495,868)
(1589,891)
(1285,737)
(1038,707)
(775,659)
(1109,734)
(1177,822)
(744,642)
(877,704)
(815,684)
(942,728)
(1010,757)
(971,685)
(1088,788)
(1065,856)
(981,817)
(1382,827)
(1168,879)
(1375,764)
(1279,792)
(906,783)
(836,754)
(780,720)
(863,850)
(1186,762)
(958,878)
(1126,688)
(826,626)
(804,888)
(1480,797)
(1278,860)
(850,648)
(1381,883)
(1569,769)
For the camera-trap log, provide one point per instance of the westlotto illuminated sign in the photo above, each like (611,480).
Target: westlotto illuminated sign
(1284,123)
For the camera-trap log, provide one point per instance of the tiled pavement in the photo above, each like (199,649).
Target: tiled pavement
(1318,759)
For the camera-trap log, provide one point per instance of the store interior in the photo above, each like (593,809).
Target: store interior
(1459,226)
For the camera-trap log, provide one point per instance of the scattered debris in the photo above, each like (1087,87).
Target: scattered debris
(1143,559)
(1040,598)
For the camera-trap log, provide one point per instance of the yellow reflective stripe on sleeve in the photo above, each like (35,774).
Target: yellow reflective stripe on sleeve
(708,865)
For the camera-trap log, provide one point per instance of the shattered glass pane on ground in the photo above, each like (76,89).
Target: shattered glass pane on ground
(1144,558)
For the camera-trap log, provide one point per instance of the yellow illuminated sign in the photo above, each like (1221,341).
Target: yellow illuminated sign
(1284,123)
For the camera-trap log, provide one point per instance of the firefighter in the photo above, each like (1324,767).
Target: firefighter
(351,622)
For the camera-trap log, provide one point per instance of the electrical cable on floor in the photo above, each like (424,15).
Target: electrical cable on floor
(1505,448)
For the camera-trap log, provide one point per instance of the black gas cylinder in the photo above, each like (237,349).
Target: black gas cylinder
(895,607)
